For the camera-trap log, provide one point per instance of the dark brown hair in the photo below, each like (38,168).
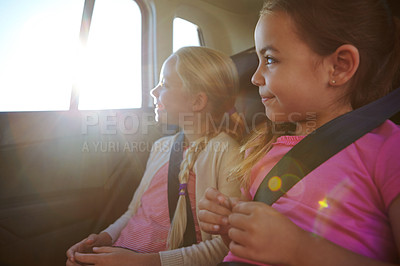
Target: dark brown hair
(325,25)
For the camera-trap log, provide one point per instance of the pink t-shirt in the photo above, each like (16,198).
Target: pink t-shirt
(346,199)
(147,230)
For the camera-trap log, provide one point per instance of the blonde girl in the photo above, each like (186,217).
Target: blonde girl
(197,88)
(324,58)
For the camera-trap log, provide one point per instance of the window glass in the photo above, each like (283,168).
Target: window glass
(185,33)
(38,41)
(110,70)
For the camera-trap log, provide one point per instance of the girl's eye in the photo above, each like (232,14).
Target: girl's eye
(269,60)
(162,84)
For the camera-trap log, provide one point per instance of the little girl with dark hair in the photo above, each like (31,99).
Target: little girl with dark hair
(322,58)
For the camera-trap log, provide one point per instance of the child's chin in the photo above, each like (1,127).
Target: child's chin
(161,117)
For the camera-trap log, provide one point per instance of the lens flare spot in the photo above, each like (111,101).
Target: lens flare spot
(275,183)
(323,204)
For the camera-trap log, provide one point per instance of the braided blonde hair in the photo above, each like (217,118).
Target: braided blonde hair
(205,70)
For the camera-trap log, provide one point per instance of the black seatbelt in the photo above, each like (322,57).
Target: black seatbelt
(325,142)
(175,159)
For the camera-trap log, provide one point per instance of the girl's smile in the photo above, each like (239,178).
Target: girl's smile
(266,99)
(291,77)
(159,106)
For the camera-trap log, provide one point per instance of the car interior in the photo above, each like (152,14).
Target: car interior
(68,173)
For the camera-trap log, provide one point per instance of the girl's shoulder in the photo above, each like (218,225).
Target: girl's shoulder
(388,137)
(224,142)
(224,137)
(220,146)
(166,140)
(162,147)
(388,131)
(380,146)
(220,138)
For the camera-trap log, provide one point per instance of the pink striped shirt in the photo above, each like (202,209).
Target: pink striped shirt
(147,230)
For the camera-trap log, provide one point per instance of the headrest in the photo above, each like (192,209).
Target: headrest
(248,102)
(246,63)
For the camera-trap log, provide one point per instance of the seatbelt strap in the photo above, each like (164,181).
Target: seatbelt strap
(175,160)
(322,144)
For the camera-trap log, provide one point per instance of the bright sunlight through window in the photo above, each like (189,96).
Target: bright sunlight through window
(110,71)
(38,41)
(185,34)
(41,58)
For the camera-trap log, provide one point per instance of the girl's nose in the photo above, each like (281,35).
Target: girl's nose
(154,92)
(257,78)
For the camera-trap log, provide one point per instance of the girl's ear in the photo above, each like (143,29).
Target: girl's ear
(344,61)
(199,102)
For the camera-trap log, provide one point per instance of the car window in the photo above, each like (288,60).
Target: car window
(41,57)
(110,75)
(38,40)
(185,33)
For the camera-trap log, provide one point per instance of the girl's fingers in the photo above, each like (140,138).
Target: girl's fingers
(86,258)
(213,218)
(240,236)
(238,220)
(211,193)
(212,223)
(103,249)
(234,202)
(215,201)
(70,252)
(243,207)
(251,207)
(238,250)
(90,240)
(224,201)
(71,263)
(209,228)
(81,246)
(214,207)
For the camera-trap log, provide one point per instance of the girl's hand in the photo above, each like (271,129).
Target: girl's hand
(87,244)
(214,209)
(113,256)
(260,233)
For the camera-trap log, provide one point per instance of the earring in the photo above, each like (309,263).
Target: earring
(333,81)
